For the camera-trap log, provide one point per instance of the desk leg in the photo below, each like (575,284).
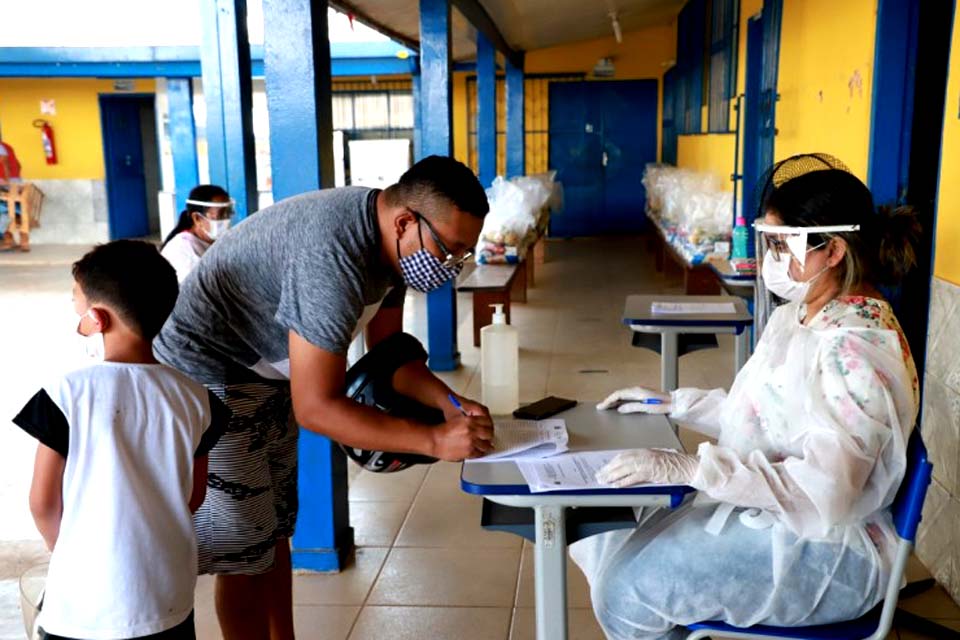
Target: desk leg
(741,350)
(669,378)
(550,573)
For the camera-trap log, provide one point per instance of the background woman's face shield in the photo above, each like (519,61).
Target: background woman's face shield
(782,240)
(221,210)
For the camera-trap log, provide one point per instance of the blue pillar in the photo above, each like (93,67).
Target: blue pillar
(516,136)
(228,93)
(436,116)
(183,138)
(486,110)
(297,75)
(417,120)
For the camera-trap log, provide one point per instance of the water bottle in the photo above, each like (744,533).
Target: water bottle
(741,239)
(500,365)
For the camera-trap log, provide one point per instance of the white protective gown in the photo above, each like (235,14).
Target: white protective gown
(812,439)
(184,252)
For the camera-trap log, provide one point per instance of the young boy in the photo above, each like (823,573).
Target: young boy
(122,461)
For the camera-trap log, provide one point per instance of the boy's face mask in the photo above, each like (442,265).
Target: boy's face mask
(92,343)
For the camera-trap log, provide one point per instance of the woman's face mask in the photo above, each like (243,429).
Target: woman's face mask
(776,277)
(786,245)
(216,216)
(424,272)
(216,228)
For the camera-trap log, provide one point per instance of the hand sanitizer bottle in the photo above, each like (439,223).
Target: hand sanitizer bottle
(499,365)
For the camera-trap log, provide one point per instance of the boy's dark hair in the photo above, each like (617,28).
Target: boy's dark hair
(436,181)
(133,279)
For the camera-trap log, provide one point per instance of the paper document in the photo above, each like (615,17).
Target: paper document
(570,471)
(680,308)
(525,439)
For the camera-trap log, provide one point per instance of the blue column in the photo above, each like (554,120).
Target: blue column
(486,110)
(417,120)
(228,93)
(516,136)
(183,138)
(297,74)
(436,116)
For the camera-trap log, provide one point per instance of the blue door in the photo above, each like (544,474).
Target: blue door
(123,160)
(602,135)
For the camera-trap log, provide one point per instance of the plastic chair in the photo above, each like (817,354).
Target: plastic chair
(875,625)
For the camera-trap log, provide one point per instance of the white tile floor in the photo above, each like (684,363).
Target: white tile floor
(423,568)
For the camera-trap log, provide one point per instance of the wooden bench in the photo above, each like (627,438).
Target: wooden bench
(23,201)
(494,284)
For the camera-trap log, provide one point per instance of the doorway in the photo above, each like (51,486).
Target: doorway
(131,161)
(602,135)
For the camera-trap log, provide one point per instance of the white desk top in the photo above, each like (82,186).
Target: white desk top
(589,430)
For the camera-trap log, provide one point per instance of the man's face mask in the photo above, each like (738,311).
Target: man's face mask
(422,271)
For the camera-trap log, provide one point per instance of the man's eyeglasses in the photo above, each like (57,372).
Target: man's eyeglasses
(449,259)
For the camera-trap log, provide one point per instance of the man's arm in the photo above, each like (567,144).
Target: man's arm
(46,493)
(320,404)
(415,380)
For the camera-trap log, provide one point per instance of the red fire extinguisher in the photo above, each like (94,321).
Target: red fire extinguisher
(46,138)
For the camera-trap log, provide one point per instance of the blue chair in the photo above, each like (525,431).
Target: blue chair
(875,625)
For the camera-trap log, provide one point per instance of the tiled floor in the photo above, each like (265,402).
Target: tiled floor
(423,568)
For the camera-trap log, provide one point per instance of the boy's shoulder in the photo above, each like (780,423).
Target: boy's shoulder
(123,373)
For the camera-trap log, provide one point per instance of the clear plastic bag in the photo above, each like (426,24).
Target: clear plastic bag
(516,208)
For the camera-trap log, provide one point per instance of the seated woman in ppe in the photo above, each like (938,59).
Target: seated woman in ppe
(791,525)
(207,217)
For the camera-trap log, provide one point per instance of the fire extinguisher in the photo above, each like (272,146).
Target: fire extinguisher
(46,138)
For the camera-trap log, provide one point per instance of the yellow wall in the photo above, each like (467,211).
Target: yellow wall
(76,126)
(708,153)
(825,82)
(825,79)
(947,261)
(460,142)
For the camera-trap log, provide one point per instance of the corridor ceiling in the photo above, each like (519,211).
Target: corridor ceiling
(524,24)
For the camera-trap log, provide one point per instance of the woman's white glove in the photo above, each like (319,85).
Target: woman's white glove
(654,466)
(637,400)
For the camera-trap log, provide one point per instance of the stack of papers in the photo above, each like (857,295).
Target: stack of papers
(567,472)
(526,439)
(690,308)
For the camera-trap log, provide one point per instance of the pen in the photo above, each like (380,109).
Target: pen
(456,403)
(650,401)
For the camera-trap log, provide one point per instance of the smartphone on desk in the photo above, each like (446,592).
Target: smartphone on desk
(545,408)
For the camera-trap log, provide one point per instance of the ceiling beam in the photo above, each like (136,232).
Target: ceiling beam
(476,15)
(347,7)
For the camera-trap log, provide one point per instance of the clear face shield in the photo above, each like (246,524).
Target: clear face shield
(782,241)
(215,210)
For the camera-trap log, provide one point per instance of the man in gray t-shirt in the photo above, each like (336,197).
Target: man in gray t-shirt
(265,322)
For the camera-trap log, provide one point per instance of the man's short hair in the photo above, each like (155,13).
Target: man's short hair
(436,181)
(133,279)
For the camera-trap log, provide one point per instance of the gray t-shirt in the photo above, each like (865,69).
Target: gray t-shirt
(311,264)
